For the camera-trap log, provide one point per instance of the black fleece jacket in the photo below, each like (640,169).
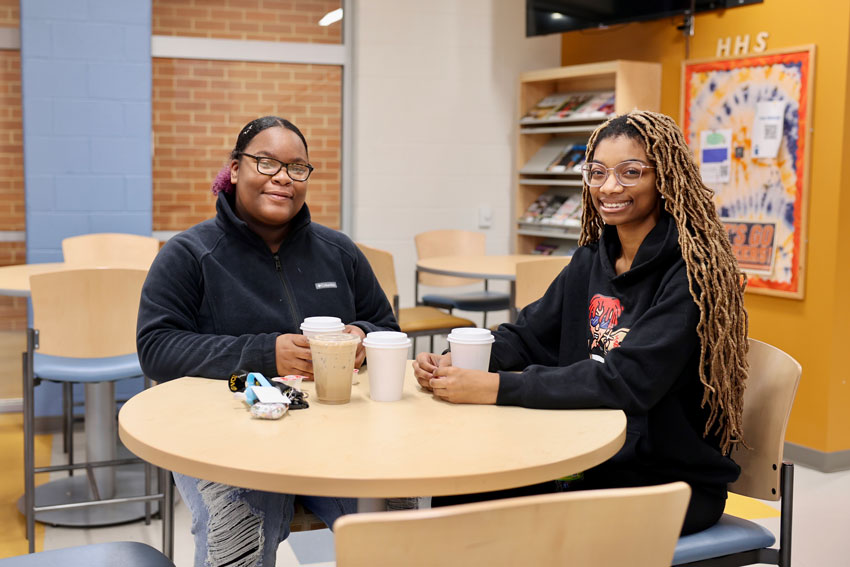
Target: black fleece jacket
(601,340)
(216,297)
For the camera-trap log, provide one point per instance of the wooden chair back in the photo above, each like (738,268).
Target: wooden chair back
(384,268)
(87,313)
(534,277)
(448,243)
(109,249)
(771,387)
(638,527)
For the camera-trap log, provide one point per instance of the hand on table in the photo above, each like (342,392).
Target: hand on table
(457,385)
(292,355)
(426,364)
(361,350)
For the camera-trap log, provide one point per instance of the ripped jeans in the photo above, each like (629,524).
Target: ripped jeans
(239,527)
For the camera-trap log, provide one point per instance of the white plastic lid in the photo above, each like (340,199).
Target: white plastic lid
(322,324)
(471,336)
(386,339)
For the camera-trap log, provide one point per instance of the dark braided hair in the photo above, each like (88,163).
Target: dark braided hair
(251,129)
(716,283)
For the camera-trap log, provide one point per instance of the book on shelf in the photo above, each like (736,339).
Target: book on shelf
(572,106)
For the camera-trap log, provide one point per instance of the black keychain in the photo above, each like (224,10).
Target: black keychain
(297,398)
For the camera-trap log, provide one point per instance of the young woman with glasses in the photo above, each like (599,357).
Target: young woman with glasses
(648,317)
(229,294)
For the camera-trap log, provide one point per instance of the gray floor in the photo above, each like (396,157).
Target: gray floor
(821,528)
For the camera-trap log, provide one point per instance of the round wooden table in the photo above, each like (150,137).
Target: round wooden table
(496,267)
(15,280)
(418,446)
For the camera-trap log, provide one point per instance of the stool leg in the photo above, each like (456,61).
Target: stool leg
(29,443)
(68,422)
(167,513)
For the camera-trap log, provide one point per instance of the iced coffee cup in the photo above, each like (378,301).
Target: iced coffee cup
(386,357)
(470,347)
(333,364)
(312,326)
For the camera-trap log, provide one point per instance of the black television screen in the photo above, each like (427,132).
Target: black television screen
(558,16)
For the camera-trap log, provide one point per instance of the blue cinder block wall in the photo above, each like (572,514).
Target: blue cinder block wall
(86,96)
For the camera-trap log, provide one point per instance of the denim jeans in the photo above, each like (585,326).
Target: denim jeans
(239,527)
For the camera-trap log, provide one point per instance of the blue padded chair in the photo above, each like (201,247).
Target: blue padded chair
(112,554)
(84,331)
(733,541)
(456,243)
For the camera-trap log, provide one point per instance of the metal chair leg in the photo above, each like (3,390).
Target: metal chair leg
(166,486)
(68,422)
(29,441)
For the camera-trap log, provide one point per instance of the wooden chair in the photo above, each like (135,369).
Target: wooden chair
(110,249)
(534,277)
(456,243)
(637,527)
(111,554)
(84,331)
(416,321)
(771,387)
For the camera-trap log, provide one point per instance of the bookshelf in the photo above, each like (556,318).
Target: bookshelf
(576,96)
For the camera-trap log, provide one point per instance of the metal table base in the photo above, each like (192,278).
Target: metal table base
(129,482)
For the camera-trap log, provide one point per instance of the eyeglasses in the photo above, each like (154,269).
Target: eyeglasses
(626,173)
(270,166)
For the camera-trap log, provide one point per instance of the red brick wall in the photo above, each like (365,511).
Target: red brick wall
(199,108)
(10,13)
(13,311)
(258,20)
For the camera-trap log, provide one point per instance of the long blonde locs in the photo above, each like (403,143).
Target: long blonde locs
(716,283)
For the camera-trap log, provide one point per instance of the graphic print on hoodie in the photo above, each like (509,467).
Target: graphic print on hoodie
(604,312)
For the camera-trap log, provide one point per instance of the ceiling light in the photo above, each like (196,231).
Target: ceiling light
(331,17)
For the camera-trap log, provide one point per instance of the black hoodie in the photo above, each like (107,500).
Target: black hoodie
(216,297)
(601,340)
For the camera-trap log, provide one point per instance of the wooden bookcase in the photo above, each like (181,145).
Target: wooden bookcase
(636,84)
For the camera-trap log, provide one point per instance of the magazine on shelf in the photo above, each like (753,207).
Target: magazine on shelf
(570,210)
(599,105)
(553,211)
(569,161)
(546,105)
(571,106)
(554,248)
(545,161)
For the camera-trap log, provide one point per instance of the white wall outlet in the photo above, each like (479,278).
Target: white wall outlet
(485,216)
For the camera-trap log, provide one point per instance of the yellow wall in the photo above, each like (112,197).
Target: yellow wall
(815,330)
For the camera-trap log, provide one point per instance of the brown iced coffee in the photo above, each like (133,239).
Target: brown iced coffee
(333,364)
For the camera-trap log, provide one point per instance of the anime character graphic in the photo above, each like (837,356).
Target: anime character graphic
(604,313)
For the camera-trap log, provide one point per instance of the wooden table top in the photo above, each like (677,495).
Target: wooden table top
(494,267)
(418,446)
(15,280)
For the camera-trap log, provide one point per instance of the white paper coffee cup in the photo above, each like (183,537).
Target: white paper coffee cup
(386,358)
(312,326)
(470,347)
